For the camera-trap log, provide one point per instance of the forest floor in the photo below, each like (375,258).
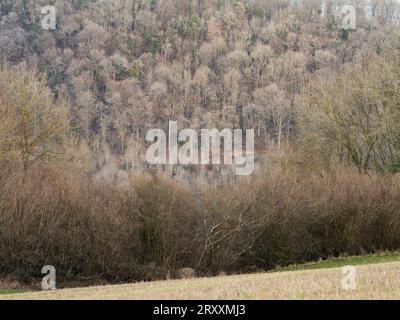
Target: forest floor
(377,277)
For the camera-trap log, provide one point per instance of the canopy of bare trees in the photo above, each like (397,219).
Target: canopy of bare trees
(130,65)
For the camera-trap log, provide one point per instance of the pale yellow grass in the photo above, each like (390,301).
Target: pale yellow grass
(376,281)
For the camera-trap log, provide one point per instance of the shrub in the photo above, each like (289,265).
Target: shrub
(154,226)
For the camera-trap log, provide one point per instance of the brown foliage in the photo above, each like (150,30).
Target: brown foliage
(154,226)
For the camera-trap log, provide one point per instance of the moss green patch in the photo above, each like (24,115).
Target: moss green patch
(343,261)
(11,291)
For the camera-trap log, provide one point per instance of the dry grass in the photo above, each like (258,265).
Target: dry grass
(376,281)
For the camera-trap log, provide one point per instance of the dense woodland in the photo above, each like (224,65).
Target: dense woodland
(128,66)
(76,104)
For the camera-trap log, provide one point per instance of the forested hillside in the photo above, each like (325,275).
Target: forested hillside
(128,66)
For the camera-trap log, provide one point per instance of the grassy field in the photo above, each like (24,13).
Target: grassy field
(378,277)
(11,291)
(343,261)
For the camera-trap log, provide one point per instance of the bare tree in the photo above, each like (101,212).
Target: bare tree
(35,120)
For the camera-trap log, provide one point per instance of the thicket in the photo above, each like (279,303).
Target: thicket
(153,226)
